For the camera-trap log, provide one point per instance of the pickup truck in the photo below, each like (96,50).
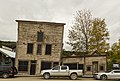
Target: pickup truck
(114,74)
(7,71)
(61,71)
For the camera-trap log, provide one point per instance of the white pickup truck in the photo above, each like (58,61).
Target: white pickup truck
(61,71)
(114,74)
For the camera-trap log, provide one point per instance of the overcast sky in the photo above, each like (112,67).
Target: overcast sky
(57,11)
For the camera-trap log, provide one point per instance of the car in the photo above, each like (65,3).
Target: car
(7,71)
(61,71)
(114,74)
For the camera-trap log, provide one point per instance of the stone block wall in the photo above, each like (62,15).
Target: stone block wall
(27,33)
(88,63)
(101,60)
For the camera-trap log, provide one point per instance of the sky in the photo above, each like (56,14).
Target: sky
(61,11)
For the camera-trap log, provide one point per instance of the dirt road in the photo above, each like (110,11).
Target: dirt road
(17,78)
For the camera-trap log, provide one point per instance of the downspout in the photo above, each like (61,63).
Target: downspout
(60,61)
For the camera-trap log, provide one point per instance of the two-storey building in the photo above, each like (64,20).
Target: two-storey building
(39,46)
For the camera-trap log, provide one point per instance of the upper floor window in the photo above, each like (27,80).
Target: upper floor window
(30,48)
(40,36)
(39,49)
(48,49)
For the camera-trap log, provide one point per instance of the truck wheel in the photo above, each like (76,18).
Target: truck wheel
(73,76)
(103,77)
(46,75)
(5,75)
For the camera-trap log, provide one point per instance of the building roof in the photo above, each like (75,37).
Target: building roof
(81,56)
(8,53)
(32,21)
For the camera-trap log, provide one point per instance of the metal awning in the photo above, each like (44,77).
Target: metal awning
(8,53)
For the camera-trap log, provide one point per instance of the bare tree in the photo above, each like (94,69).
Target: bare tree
(80,31)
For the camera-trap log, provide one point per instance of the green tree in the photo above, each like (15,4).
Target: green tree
(88,34)
(116,50)
(99,35)
(9,44)
(114,54)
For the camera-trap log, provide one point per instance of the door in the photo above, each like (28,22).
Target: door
(115,74)
(64,71)
(55,71)
(95,67)
(33,67)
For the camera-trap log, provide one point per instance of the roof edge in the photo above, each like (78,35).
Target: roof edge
(36,21)
(84,56)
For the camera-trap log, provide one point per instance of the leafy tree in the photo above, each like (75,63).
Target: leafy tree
(88,34)
(9,44)
(114,54)
(98,36)
(116,50)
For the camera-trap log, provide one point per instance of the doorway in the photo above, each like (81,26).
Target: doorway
(33,67)
(95,67)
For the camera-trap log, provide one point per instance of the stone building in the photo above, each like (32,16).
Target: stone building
(39,46)
(90,64)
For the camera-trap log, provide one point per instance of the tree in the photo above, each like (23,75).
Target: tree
(9,44)
(116,51)
(114,54)
(88,34)
(99,35)
(80,32)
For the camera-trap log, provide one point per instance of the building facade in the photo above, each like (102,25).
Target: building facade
(90,64)
(39,46)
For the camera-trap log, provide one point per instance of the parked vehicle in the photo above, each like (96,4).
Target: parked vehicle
(7,71)
(114,74)
(61,71)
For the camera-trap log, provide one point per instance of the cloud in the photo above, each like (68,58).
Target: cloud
(57,11)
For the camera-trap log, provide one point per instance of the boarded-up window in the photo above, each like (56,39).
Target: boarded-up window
(40,36)
(29,48)
(88,68)
(23,66)
(101,68)
(80,66)
(45,65)
(48,49)
(39,49)
(72,66)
